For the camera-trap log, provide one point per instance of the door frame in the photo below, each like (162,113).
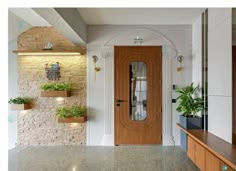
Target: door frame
(102,132)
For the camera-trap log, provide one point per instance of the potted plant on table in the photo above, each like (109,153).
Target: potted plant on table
(74,114)
(19,103)
(189,104)
(56,90)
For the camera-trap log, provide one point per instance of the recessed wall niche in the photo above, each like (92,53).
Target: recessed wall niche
(39,126)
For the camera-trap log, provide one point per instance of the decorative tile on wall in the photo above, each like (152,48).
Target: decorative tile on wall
(39,125)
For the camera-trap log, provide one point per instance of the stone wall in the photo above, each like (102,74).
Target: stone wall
(39,125)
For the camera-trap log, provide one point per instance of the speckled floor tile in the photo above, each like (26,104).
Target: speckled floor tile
(89,158)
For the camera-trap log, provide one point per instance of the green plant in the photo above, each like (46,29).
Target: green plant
(74,111)
(18,100)
(189,100)
(56,87)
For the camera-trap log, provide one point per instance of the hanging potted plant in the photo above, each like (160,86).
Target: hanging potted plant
(74,114)
(56,90)
(189,104)
(19,103)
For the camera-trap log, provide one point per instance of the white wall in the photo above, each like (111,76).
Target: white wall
(16,26)
(101,39)
(197,51)
(12,92)
(220,72)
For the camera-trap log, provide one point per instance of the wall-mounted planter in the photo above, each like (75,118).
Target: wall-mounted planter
(81,119)
(55,93)
(20,106)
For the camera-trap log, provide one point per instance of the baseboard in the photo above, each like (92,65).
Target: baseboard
(167,140)
(108,140)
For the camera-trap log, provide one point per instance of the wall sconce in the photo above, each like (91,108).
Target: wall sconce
(180,68)
(180,60)
(60,100)
(96,68)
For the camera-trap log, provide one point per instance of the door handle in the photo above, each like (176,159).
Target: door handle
(118,101)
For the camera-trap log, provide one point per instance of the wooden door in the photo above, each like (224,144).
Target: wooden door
(138,95)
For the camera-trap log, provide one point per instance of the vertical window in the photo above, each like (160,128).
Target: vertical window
(138,91)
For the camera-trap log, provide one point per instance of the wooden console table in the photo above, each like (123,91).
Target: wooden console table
(209,152)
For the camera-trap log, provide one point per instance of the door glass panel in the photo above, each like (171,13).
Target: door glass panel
(138,91)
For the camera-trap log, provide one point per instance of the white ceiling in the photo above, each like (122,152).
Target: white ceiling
(136,16)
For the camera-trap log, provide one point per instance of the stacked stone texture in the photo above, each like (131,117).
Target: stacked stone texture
(39,125)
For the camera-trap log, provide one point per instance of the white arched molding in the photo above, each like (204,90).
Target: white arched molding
(106,51)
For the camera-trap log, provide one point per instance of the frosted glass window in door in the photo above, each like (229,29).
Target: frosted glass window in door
(138,91)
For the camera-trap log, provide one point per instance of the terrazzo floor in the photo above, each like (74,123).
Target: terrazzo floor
(89,158)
